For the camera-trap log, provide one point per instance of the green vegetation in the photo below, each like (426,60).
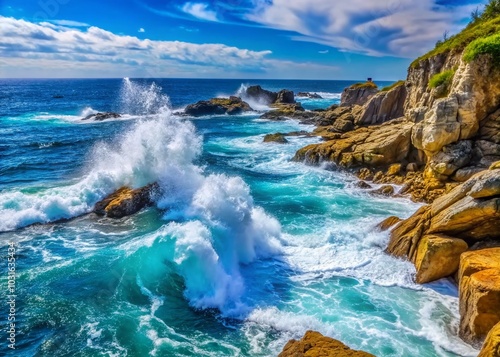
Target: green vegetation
(484,24)
(392,86)
(444,78)
(365,85)
(489,45)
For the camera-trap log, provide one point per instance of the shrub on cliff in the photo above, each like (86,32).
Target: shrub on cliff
(392,86)
(364,85)
(489,45)
(444,78)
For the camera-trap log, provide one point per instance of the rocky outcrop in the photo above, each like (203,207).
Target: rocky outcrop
(491,346)
(102,116)
(370,146)
(383,107)
(479,288)
(470,211)
(126,201)
(258,94)
(358,94)
(314,344)
(218,106)
(275,138)
(309,95)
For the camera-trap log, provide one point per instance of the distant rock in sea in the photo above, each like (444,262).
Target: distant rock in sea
(102,116)
(309,95)
(218,106)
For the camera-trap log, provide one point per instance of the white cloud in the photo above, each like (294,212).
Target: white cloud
(389,27)
(141,30)
(48,50)
(323,52)
(200,11)
(69,23)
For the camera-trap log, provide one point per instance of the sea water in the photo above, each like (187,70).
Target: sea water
(244,249)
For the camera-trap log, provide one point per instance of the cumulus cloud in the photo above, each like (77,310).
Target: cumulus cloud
(388,27)
(69,23)
(141,30)
(200,11)
(22,39)
(46,49)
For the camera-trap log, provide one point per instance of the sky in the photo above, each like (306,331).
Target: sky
(250,39)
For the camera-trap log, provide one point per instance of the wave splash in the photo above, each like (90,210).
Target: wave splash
(217,227)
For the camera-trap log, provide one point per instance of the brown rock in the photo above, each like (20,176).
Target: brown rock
(495,165)
(357,95)
(438,256)
(387,223)
(491,346)
(479,305)
(314,344)
(365,174)
(275,138)
(394,169)
(125,201)
(412,167)
(383,106)
(477,260)
(363,185)
(218,106)
(386,190)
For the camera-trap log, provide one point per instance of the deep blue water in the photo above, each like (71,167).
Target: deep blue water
(244,251)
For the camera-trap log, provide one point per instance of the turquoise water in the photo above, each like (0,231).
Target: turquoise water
(244,250)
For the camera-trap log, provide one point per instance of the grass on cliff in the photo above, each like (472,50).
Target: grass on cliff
(392,86)
(483,25)
(443,78)
(489,45)
(365,85)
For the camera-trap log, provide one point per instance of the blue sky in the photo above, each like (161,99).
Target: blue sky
(296,39)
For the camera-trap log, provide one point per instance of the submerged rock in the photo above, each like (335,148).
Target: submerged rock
(102,116)
(314,344)
(126,201)
(218,106)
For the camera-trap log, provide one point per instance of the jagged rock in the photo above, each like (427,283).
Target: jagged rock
(383,106)
(394,169)
(479,305)
(275,138)
(261,95)
(470,211)
(438,256)
(370,146)
(102,116)
(452,158)
(285,97)
(491,346)
(495,165)
(314,344)
(463,174)
(309,95)
(125,201)
(218,106)
(412,167)
(357,95)
(387,223)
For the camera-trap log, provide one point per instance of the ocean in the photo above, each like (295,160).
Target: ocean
(244,251)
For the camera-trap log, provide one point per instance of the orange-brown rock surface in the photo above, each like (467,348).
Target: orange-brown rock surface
(125,201)
(314,344)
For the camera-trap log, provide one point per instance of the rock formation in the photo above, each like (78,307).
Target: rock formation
(491,347)
(314,344)
(309,95)
(218,106)
(275,138)
(126,201)
(102,116)
(358,94)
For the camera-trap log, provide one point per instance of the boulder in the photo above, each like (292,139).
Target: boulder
(342,126)
(479,305)
(102,116)
(314,344)
(126,201)
(363,185)
(470,211)
(218,106)
(452,158)
(438,256)
(275,138)
(386,190)
(491,346)
(387,223)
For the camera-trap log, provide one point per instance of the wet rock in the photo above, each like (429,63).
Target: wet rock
(491,346)
(309,95)
(387,223)
(218,106)
(314,344)
(126,201)
(102,116)
(275,138)
(386,190)
(363,185)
